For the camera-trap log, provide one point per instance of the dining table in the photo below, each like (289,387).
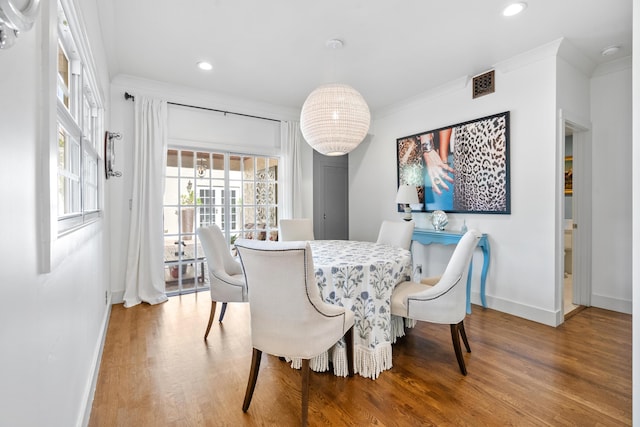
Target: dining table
(360,276)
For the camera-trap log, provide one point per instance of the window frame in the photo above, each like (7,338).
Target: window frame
(53,228)
(81,118)
(214,203)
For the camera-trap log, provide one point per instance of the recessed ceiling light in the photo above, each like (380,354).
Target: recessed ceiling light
(334,44)
(514,9)
(203,65)
(610,50)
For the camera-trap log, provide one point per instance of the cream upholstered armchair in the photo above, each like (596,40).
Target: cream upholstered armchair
(288,316)
(296,229)
(396,233)
(226,281)
(446,301)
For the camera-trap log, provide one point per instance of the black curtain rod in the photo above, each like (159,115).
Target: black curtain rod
(128,96)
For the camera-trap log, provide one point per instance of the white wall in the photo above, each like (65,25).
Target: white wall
(612,189)
(189,128)
(520,279)
(51,325)
(522,275)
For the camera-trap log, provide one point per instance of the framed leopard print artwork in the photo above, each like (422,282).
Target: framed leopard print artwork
(462,168)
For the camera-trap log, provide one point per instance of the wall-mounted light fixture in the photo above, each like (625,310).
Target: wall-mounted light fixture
(15,16)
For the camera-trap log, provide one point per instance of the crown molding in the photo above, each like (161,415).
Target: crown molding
(208,99)
(614,66)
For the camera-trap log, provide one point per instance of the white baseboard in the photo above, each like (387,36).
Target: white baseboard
(535,314)
(546,317)
(117,297)
(613,304)
(90,389)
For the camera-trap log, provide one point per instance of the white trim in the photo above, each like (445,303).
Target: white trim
(90,388)
(208,99)
(416,100)
(47,151)
(614,66)
(529,57)
(613,304)
(575,57)
(52,249)
(582,250)
(84,49)
(536,314)
(186,144)
(117,297)
(558,272)
(536,54)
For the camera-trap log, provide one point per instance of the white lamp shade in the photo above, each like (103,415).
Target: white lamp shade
(407,195)
(335,119)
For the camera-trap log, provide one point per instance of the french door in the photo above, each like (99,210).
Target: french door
(238,192)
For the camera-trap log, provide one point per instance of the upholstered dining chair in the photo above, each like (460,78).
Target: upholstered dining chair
(396,233)
(226,280)
(288,316)
(296,229)
(446,301)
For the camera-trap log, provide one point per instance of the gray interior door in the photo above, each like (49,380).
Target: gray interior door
(330,197)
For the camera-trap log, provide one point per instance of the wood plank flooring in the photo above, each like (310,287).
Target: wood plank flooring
(157,371)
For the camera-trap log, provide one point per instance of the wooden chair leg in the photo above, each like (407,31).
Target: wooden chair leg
(253,377)
(305,391)
(455,337)
(348,337)
(224,309)
(211,316)
(463,334)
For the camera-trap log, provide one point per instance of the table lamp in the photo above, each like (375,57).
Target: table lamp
(407,195)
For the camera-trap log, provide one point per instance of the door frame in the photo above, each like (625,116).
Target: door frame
(582,218)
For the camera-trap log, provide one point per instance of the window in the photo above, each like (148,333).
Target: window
(79,124)
(237,192)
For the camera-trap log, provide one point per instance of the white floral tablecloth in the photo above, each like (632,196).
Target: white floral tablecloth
(360,276)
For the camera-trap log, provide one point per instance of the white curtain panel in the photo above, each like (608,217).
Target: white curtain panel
(144,281)
(292,197)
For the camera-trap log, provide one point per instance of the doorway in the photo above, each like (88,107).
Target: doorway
(574,218)
(568,301)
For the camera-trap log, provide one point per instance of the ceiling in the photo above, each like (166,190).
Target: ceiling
(274,51)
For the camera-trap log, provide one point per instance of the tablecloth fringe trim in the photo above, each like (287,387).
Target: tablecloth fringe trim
(398,324)
(369,363)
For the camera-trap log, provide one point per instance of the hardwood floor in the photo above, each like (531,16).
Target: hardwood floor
(157,371)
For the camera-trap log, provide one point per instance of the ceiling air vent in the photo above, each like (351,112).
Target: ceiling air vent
(484,84)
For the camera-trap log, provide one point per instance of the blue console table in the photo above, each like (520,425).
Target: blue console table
(427,237)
